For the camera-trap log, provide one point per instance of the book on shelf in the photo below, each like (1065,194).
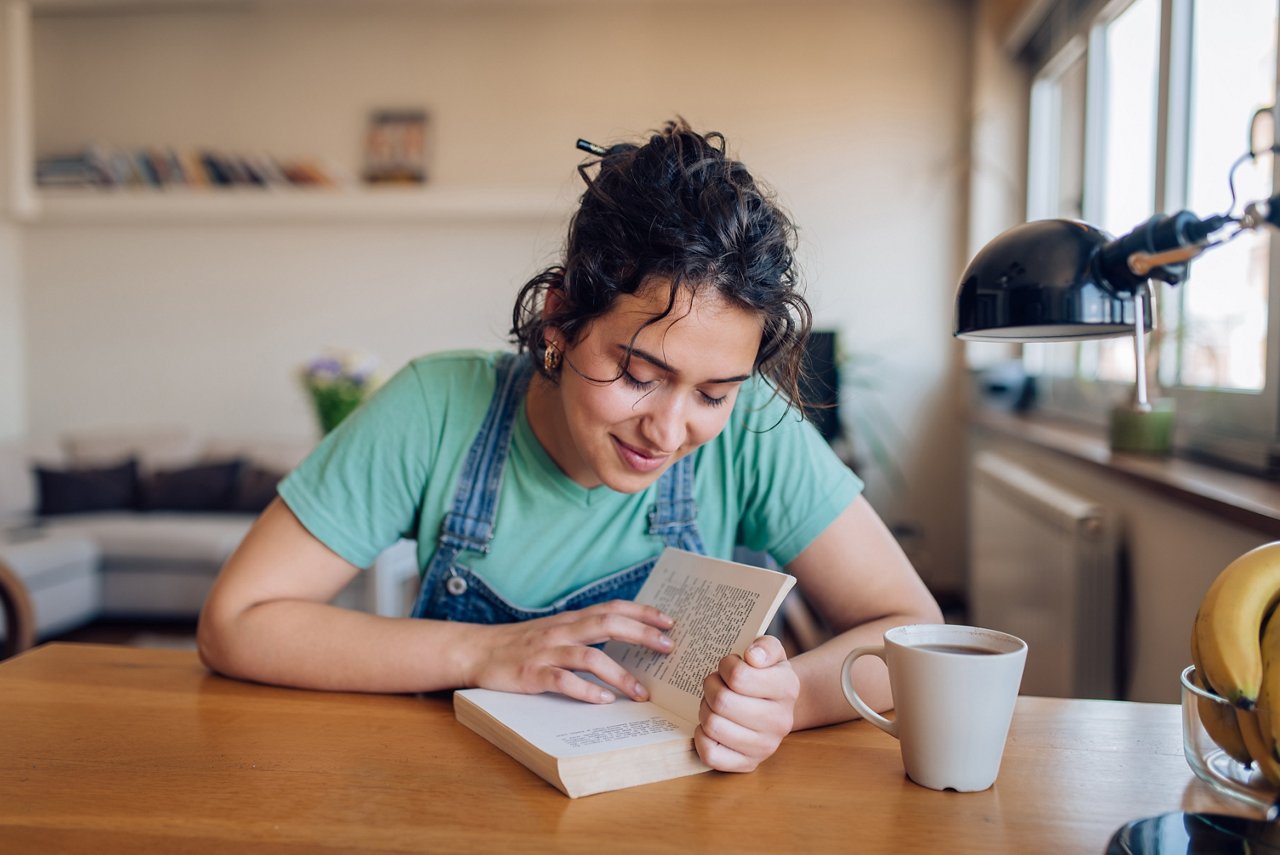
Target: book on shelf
(105,166)
(719,607)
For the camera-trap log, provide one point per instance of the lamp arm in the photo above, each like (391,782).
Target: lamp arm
(1261,213)
(1159,235)
(1141,402)
(1147,264)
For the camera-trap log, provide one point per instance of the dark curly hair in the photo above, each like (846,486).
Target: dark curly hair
(676,208)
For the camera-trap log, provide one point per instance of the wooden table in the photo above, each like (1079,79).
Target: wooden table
(115,749)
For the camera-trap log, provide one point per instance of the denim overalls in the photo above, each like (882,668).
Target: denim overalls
(452,592)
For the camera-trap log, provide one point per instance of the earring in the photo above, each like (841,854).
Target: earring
(550,358)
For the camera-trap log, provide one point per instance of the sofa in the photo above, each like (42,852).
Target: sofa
(135,525)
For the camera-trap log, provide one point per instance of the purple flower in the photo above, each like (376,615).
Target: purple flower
(324,366)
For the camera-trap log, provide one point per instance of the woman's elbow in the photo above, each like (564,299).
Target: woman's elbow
(210,641)
(216,634)
(931,613)
(926,608)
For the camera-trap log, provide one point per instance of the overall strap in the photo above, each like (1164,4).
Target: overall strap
(469,523)
(675,516)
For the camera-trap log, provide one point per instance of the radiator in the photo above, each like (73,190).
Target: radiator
(1044,566)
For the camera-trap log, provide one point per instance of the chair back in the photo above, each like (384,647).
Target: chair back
(19,615)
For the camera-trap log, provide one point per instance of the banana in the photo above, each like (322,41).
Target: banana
(1229,623)
(1269,699)
(1218,719)
(1261,752)
(1220,723)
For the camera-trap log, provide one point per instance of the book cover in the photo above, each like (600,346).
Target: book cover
(719,607)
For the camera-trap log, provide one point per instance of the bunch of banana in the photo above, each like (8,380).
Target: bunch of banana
(1235,646)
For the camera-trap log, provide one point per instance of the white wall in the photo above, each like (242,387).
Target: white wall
(997,168)
(856,111)
(13,398)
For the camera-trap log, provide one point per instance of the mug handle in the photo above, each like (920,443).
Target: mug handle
(889,727)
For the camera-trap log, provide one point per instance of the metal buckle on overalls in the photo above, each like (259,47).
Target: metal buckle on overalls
(455,584)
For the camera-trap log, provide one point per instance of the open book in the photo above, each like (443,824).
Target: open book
(719,607)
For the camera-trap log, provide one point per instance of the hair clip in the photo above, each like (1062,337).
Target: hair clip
(597,150)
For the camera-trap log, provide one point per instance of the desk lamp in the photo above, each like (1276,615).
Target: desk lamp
(1062,280)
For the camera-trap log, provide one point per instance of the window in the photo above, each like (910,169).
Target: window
(1146,109)
(1223,319)
(1055,180)
(1121,171)
(1056,177)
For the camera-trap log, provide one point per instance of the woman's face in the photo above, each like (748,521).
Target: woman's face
(678,388)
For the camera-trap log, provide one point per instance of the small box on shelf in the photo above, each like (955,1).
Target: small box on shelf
(396,147)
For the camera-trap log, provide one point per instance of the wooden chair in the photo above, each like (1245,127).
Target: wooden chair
(19,615)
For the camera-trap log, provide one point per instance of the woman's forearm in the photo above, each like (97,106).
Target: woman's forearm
(822,700)
(318,646)
(307,644)
(856,575)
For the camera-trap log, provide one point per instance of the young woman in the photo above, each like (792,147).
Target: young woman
(652,402)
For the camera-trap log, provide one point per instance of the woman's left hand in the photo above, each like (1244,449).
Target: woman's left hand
(748,706)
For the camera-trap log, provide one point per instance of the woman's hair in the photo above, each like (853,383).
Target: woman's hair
(676,208)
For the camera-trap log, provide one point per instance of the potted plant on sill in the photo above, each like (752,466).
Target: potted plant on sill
(1144,425)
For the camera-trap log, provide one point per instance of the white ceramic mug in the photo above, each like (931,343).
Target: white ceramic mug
(954,688)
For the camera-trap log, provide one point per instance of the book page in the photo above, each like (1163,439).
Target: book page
(719,607)
(563,727)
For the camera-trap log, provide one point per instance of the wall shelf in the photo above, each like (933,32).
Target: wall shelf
(119,206)
(177,205)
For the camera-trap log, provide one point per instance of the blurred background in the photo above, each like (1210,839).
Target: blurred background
(896,134)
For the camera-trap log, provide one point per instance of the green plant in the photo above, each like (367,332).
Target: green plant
(869,420)
(337,383)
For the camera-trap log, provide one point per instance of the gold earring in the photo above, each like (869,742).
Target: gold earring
(550,358)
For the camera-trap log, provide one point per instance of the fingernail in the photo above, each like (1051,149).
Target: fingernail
(641,693)
(665,642)
(756,655)
(607,697)
(668,620)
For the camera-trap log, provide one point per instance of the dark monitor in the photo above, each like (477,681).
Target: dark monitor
(820,384)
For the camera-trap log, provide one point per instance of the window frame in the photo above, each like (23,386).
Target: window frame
(1234,427)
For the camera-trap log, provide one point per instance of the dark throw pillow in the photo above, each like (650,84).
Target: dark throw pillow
(204,487)
(75,491)
(256,489)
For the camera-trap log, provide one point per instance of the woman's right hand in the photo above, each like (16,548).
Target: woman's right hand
(542,655)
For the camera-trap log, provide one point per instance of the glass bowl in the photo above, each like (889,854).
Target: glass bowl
(1213,765)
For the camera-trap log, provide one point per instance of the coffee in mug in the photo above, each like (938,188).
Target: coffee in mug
(962,649)
(954,689)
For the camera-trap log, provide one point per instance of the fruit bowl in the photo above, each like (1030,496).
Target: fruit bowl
(1211,763)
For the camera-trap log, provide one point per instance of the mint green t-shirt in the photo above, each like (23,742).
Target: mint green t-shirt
(768,482)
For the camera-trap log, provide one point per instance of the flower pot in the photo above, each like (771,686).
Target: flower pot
(334,402)
(1143,431)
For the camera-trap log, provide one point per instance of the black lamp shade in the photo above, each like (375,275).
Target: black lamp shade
(1040,281)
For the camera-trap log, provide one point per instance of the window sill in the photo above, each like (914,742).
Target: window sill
(1244,499)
